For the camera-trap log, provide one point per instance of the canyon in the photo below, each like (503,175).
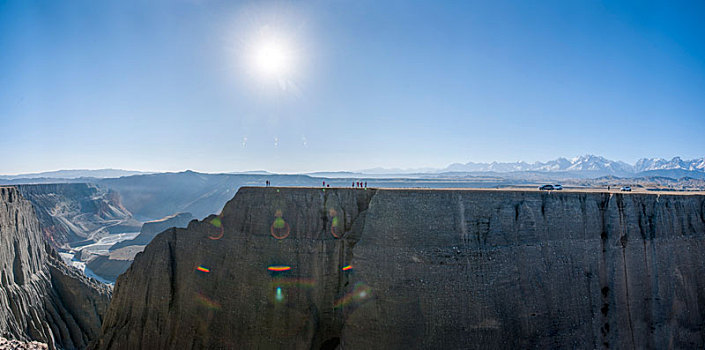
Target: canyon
(71,214)
(323,268)
(41,298)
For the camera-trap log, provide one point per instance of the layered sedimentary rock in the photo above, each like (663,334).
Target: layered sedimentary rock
(41,298)
(78,212)
(397,269)
(121,254)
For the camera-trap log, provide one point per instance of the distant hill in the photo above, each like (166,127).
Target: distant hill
(585,166)
(154,196)
(74,174)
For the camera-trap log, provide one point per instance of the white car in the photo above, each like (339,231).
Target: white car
(626,189)
(557,187)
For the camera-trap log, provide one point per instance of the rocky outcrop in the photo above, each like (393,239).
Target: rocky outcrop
(41,298)
(398,269)
(152,228)
(109,268)
(13,344)
(122,253)
(71,213)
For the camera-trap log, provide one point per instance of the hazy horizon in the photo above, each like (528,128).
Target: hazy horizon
(366,170)
(344,86)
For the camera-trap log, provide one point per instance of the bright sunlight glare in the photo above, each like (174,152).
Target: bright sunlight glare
(272,58)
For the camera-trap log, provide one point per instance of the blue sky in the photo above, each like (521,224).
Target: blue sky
(167,85)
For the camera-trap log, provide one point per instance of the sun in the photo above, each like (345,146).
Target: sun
(273,58)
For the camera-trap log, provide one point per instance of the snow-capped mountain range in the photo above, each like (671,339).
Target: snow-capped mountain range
(590,164)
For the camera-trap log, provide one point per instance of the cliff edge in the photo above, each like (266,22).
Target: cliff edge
(306,268)
(41,298)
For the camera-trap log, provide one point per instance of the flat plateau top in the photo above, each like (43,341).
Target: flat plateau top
(504,189)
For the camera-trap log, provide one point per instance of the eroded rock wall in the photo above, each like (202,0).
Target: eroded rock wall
(305,268)
(71,213)
(41,298)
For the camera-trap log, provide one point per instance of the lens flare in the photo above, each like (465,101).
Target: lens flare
(203,269)
(280,228)
(219,232)
(360,293)
(279,295)
(348,267)
(334,223)
(278,268)
(207,302)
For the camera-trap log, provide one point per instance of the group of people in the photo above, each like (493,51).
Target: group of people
(355,184)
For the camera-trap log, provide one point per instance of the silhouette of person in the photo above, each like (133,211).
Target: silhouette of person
(365,183)
(324,184)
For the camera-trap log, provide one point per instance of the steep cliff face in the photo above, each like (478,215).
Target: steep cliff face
(151,228)
(40,297)
(76,212)
(312,269)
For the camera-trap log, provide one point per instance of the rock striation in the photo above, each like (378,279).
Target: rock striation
(71,213)
(41,298)
(306,268)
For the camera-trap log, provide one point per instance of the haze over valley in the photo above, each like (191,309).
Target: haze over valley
(352,174)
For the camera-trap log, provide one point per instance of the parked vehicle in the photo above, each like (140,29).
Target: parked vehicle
(626,189)
(557,187)
(546,188)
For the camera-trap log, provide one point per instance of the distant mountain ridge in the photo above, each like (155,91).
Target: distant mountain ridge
(75,174)
(583,166)
(676,163)
(587,163)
